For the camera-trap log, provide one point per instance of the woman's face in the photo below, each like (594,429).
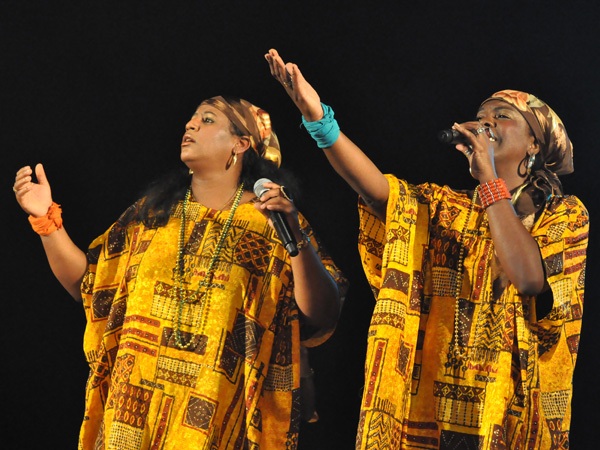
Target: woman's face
(208,141)
(514,139)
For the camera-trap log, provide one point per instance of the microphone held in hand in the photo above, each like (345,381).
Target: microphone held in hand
(282,227)
(451,136)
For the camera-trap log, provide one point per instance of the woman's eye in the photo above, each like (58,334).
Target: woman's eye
(207,120)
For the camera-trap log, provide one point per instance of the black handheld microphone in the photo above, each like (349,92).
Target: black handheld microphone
(451,136)
(282,227)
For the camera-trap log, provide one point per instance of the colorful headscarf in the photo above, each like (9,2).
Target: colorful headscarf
(555,146)
(252,121)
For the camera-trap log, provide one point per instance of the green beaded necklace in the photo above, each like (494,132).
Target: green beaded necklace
(178,292)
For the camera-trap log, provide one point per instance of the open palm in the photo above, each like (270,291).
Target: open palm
(34,198)
(300,91)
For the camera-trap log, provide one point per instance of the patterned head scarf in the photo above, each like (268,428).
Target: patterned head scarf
(253,122)
(555,146)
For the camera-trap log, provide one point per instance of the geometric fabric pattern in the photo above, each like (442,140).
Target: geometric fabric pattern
(253,253)
(562,290)
(177,371)
(485,372)
(124,437)
(147,392)
(132,405)
(199,412)
(279,378)
(241,343)
(384,432)
(459,405)
(452,440)
(389,311)
(444,281)
(555,404)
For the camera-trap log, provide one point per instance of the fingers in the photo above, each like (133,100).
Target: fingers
(22,180)
(274,61)
(41,174)
(279,70)
(467,147)
(477,138)
(276,199)
(296,76)
(23,172)
(469,130)
(473,130)
(277,204)
(464,149)
(478,148)
(270,60)
(274,191)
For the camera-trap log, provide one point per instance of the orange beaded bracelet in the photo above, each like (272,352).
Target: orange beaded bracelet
(49,223)
(493,191)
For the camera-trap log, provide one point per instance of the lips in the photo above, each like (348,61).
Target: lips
(187,139)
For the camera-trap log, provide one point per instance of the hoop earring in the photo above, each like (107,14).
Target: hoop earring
(522,169)
(530,163)
(234,158)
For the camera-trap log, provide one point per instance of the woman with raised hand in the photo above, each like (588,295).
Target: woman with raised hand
(479,294)
(195,310)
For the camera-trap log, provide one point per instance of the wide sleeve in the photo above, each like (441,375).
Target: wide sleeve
(104,281)
(397,242)
(312,338)
(372,236)
(562,237)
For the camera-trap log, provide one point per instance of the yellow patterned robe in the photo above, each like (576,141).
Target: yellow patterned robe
(514,390)
(237,386)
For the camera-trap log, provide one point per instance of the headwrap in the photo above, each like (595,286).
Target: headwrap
(550,133)
(253,122)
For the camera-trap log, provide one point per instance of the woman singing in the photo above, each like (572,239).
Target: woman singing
(195,310)
(479,294)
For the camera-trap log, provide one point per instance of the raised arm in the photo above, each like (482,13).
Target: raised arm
(67,261)
(349,161)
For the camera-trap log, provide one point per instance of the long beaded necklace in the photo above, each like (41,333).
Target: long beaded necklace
(458,354)
(178,292)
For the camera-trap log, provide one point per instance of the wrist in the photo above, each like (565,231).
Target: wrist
(493,191)
(48,223)
(324,131)
(302,241)
(488,177)
(312,114)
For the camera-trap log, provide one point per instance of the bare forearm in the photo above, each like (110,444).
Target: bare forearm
(67,261)
(360,173)
(315,290)
(516,249)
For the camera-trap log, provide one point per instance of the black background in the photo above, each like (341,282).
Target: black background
(100,92)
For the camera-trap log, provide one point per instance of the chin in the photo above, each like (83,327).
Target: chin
(185,157)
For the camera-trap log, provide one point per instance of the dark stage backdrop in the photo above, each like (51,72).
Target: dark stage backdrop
(100,92)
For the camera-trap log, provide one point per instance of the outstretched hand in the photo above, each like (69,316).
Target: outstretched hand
(34,198)
(300,91)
